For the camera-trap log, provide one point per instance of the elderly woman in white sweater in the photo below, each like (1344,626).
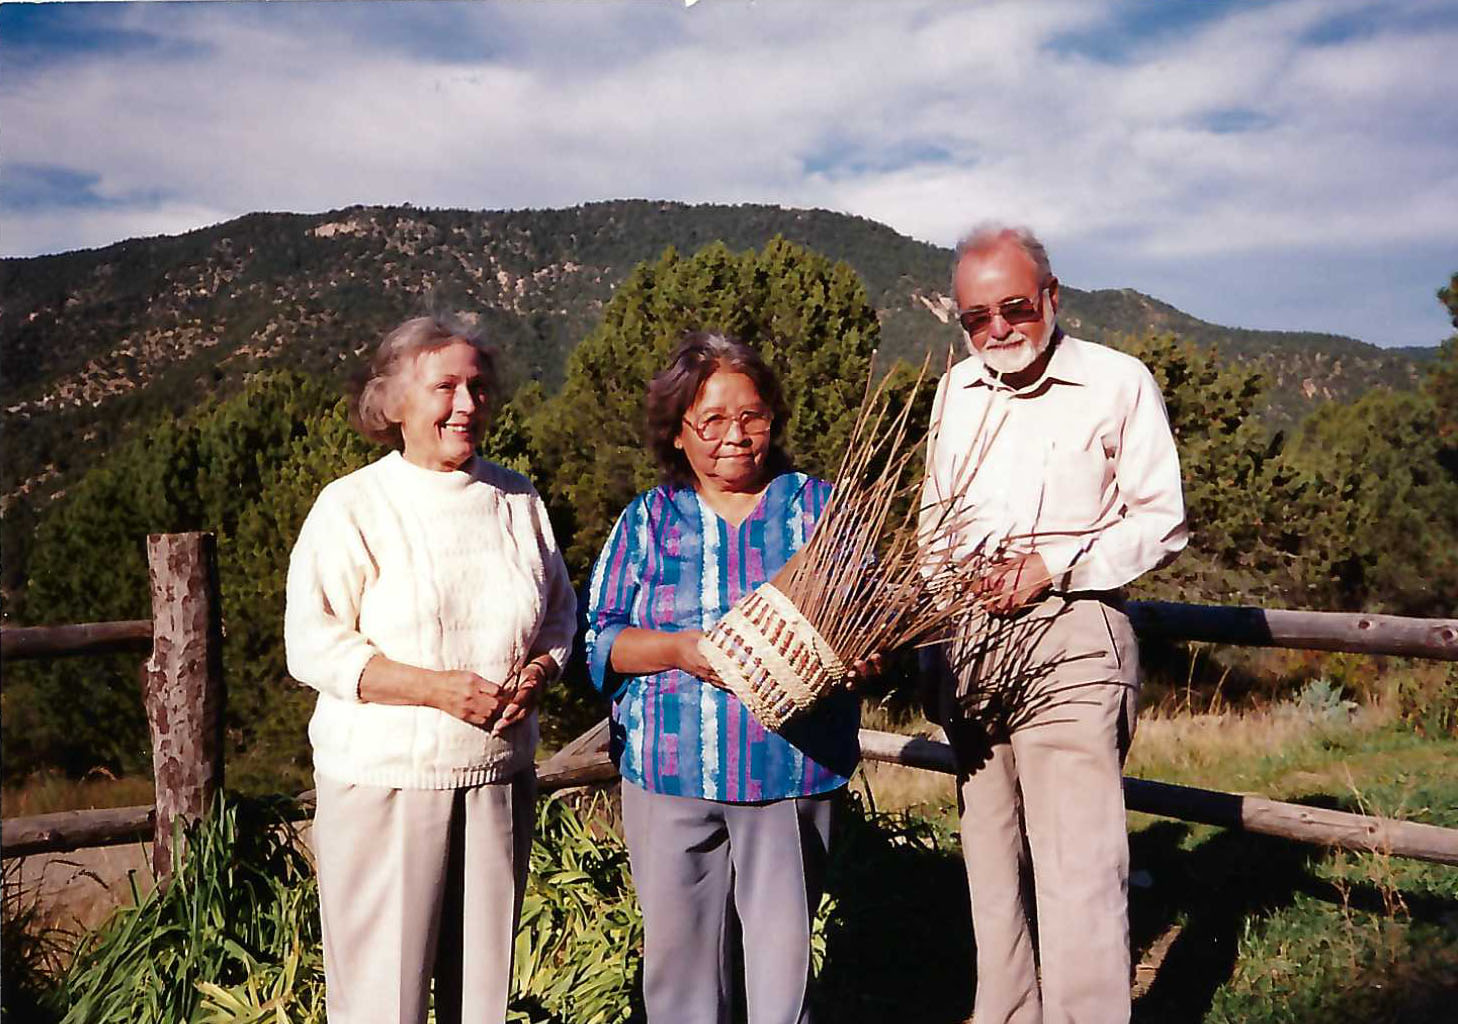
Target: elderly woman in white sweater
(428,604)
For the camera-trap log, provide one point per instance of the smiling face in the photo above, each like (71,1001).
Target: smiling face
(441,406)
(737,461)
(995,275)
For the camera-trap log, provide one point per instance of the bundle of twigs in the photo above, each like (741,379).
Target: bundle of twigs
(1003,666)
(868,581)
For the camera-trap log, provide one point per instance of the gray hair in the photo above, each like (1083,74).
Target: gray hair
(369,412)
(985,236)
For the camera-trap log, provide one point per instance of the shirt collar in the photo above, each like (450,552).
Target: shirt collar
(1065,366)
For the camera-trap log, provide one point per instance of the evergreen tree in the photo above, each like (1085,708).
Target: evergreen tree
(810,318)
(1442,380)
(1245,507)
(1384,534)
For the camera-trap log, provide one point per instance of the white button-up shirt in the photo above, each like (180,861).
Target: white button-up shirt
(1079,467)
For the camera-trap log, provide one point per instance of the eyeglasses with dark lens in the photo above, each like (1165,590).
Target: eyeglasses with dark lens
(715,426)
(1014,311)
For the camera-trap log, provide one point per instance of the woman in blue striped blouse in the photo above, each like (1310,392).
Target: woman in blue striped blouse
(720,813)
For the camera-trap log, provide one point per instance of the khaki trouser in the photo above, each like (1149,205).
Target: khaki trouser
(415,883)
(1046,783)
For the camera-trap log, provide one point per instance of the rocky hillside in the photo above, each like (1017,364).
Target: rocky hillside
(94,343)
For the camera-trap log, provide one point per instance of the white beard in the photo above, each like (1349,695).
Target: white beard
(1016,357)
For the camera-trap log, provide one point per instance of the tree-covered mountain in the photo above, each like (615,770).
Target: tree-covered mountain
(1359,511)
(96,343)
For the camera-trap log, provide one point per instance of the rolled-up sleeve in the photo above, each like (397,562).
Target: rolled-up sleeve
(611,593)
(1151,528)
(326,580)
(559,617)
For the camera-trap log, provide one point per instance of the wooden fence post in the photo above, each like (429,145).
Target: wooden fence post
(182,682)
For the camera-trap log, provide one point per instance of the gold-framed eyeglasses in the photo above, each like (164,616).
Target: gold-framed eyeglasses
(715,426)
(976,319)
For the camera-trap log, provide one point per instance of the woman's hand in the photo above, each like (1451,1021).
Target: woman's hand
(524,696)
(689,656)
(639,652)
(467,696)
(462,694)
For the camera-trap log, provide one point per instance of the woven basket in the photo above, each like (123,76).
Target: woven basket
(771,657)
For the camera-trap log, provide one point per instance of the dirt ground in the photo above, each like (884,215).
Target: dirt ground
(76,890)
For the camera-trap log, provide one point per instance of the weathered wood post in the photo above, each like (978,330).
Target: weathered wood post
(182,682)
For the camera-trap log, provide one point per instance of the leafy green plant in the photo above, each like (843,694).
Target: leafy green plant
(239,914)
(580,943)
(1321,701)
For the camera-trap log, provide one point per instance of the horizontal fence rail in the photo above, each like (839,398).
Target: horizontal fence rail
(1353,632)
(1362,832)
(18,642)
(584,761)
(64,831)
(581,766)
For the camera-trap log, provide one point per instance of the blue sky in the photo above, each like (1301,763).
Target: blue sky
(1282,164)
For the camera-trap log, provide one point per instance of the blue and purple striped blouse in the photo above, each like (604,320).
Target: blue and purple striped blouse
(672,563)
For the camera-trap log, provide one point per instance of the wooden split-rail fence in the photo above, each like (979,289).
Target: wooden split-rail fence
(182,687)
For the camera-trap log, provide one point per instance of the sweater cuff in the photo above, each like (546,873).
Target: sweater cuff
(345,682)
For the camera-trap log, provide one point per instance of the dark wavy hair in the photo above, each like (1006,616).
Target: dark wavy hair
(672,392)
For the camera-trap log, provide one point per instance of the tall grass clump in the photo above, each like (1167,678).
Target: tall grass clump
(234,936)
(580,944)
(32,952)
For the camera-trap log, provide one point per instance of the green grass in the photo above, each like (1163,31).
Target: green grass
(1267,930)
(1236,927)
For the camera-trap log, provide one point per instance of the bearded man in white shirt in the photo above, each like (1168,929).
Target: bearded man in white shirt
(1057,459)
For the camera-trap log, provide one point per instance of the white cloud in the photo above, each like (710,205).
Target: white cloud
(54,230)
(926,116)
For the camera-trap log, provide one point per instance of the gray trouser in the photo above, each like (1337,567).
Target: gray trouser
(1050,786)
(415,883)
(691,860)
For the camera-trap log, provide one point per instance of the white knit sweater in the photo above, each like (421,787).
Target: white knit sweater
(455,570)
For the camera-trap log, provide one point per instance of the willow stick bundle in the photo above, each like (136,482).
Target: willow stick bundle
(1005,675)
(866,582)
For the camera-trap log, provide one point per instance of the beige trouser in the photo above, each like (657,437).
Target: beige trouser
(1046,782)
(419,883)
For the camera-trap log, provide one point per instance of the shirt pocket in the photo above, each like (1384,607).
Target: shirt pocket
(1074,484)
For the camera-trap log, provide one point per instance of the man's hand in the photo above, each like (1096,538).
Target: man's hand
(863,670)
(467,696)
(1014,583)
